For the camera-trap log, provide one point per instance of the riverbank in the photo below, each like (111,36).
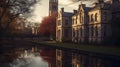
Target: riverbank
(110,50)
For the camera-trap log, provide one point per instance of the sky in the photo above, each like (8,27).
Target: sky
(41,9)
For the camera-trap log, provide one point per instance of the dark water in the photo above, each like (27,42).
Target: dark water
(54,57)
(28,57)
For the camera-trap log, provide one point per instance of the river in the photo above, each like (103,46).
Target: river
(44,56)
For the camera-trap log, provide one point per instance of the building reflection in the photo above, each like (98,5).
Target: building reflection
(75,59)
(61,57)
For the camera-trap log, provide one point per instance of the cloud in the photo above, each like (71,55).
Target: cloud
(75,0)
(73,4)
(64,2)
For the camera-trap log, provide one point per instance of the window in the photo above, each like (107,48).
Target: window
(104,32)
(66,32)
(77,33)
(73,33)
(59,22)
(92,17)
(105,16)
(96,31)
(82,19)
(96,17)
(66,22)
(78,19)
(80,31)
(91,31)
(72,21)
(75,21)
(54,7)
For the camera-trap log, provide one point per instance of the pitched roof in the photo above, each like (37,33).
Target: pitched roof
(67,14)
(86,9)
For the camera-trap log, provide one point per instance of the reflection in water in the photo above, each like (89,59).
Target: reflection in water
(29,60)
(29,57)
(70,58)
(50,57)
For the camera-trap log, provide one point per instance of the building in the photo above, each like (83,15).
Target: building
(80,24)
(53,7)
(99,23)
(64,26)
(115,21)
(91,25)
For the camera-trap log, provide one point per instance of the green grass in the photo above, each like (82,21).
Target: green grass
(90,48)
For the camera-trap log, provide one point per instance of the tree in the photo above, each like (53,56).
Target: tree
(48,26)
(12,9)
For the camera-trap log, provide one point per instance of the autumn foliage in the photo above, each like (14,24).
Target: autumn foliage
(48,26)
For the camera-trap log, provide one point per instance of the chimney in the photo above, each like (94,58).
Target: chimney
(100,1)
(75,11)
(96,3)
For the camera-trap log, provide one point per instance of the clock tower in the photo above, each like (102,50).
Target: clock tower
(53,7)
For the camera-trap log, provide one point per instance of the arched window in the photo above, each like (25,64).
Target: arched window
(96,16)
(92,17)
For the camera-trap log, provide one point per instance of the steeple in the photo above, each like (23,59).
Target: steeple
(53,7)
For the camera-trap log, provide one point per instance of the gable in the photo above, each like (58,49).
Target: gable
(81,8)
(59,14)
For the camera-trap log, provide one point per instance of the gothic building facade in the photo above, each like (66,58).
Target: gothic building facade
(64,26)
(97,24)
(80,24)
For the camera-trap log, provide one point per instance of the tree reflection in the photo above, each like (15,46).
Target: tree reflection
(48,55)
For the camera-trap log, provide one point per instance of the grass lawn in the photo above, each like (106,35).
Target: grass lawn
(90,48)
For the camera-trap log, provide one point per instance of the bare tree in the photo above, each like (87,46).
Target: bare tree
(12,9)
